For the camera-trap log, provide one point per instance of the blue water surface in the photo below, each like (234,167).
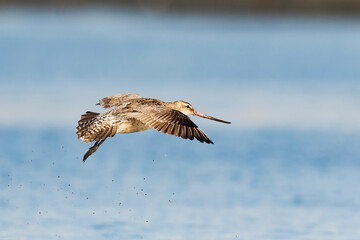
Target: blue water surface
(248,185)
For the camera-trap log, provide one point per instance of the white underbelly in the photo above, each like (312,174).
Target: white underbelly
(131,126)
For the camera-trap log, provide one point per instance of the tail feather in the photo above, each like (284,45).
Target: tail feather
(84,127)
(95,127)
(88,116)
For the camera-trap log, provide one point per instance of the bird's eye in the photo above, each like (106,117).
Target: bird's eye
(187,106)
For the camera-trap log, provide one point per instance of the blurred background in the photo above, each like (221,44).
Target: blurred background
(285,73)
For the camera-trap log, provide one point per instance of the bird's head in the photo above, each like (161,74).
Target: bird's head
(184,107)
(187,109)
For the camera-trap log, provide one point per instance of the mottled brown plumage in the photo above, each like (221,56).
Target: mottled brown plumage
(132,113)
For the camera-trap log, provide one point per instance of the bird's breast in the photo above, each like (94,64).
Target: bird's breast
(131,125)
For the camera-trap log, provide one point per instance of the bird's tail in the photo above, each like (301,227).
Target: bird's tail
(85,125)
(95,127)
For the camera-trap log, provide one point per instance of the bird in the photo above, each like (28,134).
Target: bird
(132,113)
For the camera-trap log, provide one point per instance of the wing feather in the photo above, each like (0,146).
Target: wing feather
(117,100)
(191,133)
(171,130)
(173,122)
(197,135)
(184,133)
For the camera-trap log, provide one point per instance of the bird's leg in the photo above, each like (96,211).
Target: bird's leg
(93,149)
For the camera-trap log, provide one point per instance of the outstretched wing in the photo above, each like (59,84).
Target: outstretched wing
(173,122)
(117,100)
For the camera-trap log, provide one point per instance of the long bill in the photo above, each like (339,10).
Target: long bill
(209,117)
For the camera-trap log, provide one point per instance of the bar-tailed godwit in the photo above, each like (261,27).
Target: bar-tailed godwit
(133,113)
